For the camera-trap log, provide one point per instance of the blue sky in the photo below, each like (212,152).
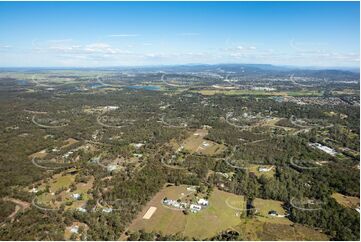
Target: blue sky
(87,34)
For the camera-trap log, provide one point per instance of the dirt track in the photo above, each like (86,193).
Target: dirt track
(20,206)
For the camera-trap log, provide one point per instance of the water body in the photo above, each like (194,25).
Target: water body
(22,82)
(95,85)
(148,88)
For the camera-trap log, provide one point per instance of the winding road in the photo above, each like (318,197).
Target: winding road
(47,126)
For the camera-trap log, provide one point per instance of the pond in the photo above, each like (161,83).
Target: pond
(148,88)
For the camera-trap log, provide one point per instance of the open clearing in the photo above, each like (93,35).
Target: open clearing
(40,154)
(60,192)
(19,206)
(213,219)
(224,212)
(253,229)
(263,206)
(255,169)
(68,230)
(69,142)
(346,201)
(197,144)
(210,92)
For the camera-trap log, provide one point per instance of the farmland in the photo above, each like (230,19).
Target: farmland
(218,216)
(259,93)
(226,211)
(197,144)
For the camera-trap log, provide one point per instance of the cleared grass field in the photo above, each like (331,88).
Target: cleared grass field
(53,200)
(346,201)
(40,154)
(207,223)
(253,229)
(254,168)
(222,214)
(263,206)
(58,182)
(197,144)
(69,142)
(259,93)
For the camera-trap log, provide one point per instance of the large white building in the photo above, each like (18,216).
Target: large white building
(324,148)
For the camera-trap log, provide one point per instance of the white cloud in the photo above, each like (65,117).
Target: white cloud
(101,48)
(69,52)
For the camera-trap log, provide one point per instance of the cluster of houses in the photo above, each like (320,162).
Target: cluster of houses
(194,208)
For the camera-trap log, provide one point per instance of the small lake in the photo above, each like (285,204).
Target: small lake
(95,85)
(22,82)
(148,88)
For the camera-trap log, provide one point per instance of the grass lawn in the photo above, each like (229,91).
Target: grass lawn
(263,206)
(197,144)
(58,182)
(69,142)
(220,215)
(253,229)
(207,223)
(254,168)
(208,92)
(62,182)
(214,219)
(346,201)
(40,154)
(65,181)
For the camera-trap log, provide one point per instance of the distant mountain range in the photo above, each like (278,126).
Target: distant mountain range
(246,69)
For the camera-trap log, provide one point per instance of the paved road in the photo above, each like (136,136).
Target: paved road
(107,125)
(170,125)
(301,208)
(292,79)
(33,202)
(49,168)
(47,126)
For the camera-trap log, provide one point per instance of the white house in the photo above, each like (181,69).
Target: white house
(205,144)
(83,210)
(172,203)
(74,229)
(111,168)
(324,148)
(203,202)
(34,190)
(95,159)
(137,146)
(107,210)
(264,169)
(75,196)
(192,189)
(110,108)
